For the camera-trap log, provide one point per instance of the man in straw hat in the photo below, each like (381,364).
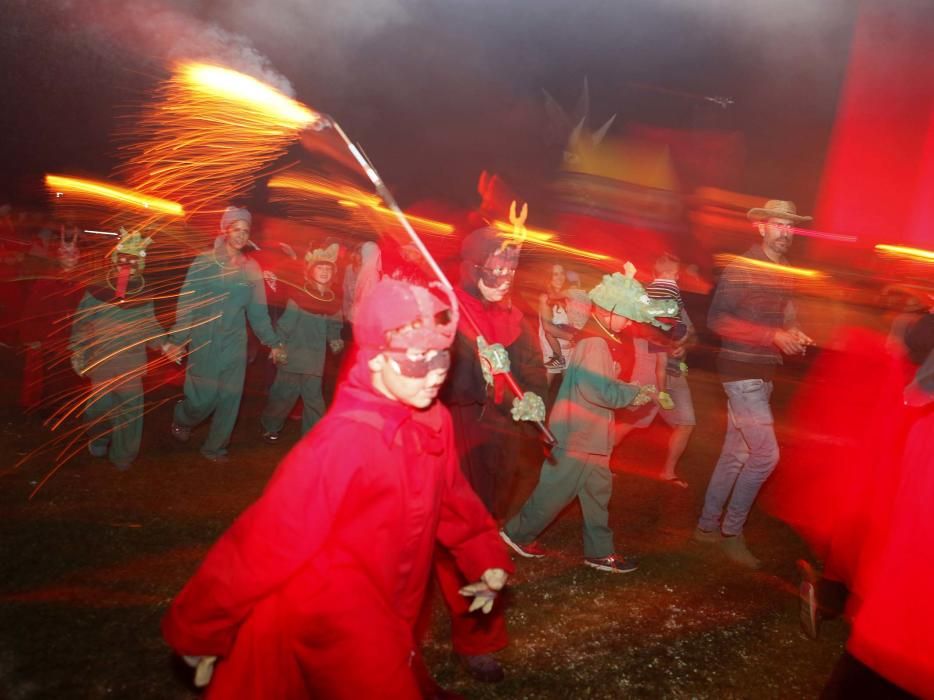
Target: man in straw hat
(753,313)
(315,590)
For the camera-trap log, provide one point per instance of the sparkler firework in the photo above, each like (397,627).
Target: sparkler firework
(209,132)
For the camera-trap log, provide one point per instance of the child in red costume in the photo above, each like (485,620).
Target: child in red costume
(315,589)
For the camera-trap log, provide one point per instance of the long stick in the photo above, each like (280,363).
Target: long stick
(384,192)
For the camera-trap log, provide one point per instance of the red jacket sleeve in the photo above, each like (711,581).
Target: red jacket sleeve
(465,527)
(266,545)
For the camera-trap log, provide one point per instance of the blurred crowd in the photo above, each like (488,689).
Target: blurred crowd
(98,317)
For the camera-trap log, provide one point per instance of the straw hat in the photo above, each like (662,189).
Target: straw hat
(777,209)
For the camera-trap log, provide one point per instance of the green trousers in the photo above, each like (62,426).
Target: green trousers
(586,477)
(284,392)
(115,421)
(218,394)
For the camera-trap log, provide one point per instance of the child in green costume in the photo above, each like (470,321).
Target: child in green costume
(582,421)
(310,324)
(112,327)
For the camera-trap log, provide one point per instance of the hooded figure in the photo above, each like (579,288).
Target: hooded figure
(315,590)
(223,289)
(309,326)
(109,336)
(487,436)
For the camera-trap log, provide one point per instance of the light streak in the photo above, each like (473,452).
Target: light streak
(326,189)
(62,184)
(904,251)
(351,198)
(723,259)
(100,233)
(826,235)
(545,239)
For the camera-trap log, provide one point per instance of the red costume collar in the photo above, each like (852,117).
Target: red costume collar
(499,323)
(358,399)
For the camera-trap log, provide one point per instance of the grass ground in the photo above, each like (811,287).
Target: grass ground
(88,567)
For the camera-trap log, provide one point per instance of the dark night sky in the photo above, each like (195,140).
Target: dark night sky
(437,90)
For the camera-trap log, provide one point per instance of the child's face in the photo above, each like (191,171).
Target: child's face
(668,270)
(618,323)
(558,277)
(417,392)
(322,273)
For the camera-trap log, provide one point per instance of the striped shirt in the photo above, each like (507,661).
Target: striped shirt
(665,289)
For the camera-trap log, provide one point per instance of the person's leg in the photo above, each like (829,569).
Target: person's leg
(622,429)
(557,487)
(554,386)
(594,490)
(733,456)
(229,392)
(753,417)
(282,395)
(471,634)
(313,400)
(200,398)
(504,454)
(633,419)
(472,446)
(677,444)
(127,420)
(661,373)
(682,421)
(97,419)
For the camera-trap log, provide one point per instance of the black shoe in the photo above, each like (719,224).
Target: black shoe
(270,437)
(484,667)
(180,432)
(614,564)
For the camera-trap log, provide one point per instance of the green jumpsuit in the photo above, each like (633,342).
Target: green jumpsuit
(582,420)
(216,300)
(306,336)
(111,337)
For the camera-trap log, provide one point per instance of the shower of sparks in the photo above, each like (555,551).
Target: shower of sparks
(207,134)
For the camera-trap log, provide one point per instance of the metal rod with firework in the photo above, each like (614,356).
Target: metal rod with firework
(416,240)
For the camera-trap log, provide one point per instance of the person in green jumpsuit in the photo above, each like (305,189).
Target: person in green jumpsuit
(311,323)
(222,290)
(112,327)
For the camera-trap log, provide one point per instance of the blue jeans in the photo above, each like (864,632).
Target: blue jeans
(748,457)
